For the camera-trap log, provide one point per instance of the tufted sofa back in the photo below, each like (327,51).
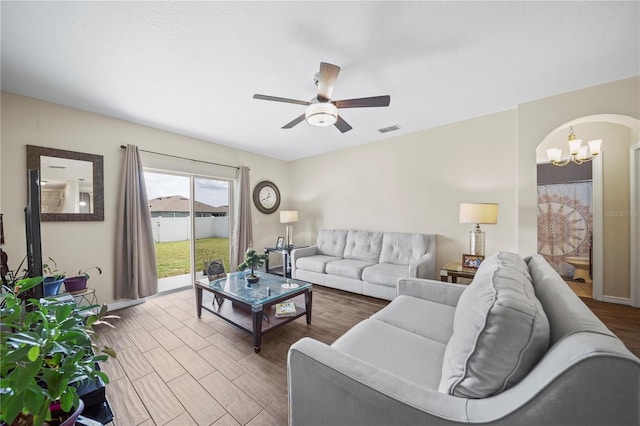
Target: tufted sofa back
(331,242)
(400,248)
(363,245)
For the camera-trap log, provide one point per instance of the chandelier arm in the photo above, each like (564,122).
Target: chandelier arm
(585,160)
(561,163)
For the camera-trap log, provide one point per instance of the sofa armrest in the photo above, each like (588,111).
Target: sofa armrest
(423,267)
(432,290)
(301,252)
(329,387)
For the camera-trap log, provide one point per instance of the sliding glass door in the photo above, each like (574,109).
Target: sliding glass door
(190,220)
(211,223)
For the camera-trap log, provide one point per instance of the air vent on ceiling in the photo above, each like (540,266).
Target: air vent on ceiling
(390,128)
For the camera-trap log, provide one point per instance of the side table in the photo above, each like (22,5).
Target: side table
(85,297)
(454,270)
(285,269)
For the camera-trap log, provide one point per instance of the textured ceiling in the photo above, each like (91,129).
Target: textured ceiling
(192,67)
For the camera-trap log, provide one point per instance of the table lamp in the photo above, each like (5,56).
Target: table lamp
(288,217)
(485,213)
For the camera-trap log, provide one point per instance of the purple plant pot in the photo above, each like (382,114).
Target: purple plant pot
(75,284)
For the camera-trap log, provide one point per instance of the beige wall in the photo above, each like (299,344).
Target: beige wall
(615,205)
(76,245)
(415,183)
(539,118)
(411,182)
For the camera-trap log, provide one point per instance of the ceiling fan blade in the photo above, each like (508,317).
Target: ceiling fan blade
(277,99)
(326,79)
(296,121)
(374,101)
(342,125)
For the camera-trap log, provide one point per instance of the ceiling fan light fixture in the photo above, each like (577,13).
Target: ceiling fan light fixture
(321,114)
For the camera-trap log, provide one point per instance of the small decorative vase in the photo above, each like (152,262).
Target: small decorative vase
(75,284)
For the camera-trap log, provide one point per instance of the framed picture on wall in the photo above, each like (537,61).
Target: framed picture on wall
(471,261)
(280,243)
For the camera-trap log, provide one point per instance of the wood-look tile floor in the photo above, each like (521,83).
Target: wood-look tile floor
(175,369)
(582,289)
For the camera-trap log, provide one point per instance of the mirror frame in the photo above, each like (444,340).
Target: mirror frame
(33,162)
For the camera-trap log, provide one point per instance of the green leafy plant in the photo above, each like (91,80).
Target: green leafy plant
(51,270)
(252,260)
(84,273)
(46,348)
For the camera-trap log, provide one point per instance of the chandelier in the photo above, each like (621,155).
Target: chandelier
(578,153)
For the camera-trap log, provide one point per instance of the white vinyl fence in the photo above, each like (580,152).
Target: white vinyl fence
(167,229)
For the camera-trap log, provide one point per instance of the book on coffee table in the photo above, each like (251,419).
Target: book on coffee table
(285,309)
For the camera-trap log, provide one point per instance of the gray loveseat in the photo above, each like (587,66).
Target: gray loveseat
(369,263)
(515,347)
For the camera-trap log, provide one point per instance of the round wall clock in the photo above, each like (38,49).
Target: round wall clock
(266,197)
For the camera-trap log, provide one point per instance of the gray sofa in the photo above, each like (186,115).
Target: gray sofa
(369,263)
(515,347)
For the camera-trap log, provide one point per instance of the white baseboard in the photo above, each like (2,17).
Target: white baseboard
(124,304)
(618,300)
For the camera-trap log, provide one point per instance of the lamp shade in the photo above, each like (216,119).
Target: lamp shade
(479,213)
(288,216)
(321,114)
(594,146)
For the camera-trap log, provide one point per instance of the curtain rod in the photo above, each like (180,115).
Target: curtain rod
(183,158)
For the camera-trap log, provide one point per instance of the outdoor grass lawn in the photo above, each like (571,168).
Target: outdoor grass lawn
(173,257)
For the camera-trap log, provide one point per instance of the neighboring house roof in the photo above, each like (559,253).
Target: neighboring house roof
(177,203)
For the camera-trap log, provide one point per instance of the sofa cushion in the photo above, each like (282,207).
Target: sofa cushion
(386,274)
(500,331)
(348,268)
(400,248)
(363,245)
(401,353)
(315,263)
(331,242)
(419,316)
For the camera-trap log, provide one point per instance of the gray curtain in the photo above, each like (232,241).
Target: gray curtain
(242,233)
(136,273)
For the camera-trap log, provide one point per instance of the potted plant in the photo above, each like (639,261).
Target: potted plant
(53,279)
(79,282)
(252,260)
(46,347)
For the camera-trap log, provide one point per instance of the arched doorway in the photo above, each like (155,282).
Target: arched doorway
(614,258)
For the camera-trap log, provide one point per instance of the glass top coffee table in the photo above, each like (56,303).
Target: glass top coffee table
(248,307)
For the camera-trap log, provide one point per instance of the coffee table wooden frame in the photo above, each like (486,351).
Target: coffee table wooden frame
(254,319)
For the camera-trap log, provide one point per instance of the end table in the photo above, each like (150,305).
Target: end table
(454,270)
(285,269)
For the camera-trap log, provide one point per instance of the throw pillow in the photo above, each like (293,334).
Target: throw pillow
(500,331)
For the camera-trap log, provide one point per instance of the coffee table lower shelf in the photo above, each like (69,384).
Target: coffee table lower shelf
(254,319)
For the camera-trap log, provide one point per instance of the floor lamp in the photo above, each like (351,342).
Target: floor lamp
(478,213)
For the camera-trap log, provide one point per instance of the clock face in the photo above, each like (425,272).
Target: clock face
(266,197)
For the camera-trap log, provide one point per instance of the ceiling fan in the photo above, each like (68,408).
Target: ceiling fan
(321,110)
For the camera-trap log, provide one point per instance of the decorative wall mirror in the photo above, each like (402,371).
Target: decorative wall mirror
(71,184)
